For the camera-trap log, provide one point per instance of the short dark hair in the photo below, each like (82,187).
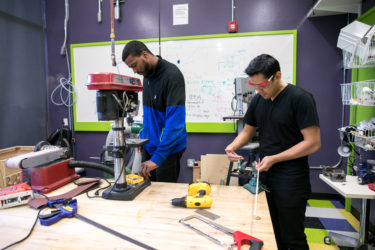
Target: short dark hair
(134,48)
(265,64)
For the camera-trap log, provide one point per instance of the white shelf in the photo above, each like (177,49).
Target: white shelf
(335,7)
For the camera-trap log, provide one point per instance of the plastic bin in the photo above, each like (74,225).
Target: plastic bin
(358,93)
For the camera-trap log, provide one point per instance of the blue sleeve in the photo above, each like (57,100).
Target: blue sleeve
(174,136)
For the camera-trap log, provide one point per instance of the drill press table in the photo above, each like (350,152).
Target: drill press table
(149,218)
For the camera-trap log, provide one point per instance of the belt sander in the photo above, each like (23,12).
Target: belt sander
(46,169)
(36,159)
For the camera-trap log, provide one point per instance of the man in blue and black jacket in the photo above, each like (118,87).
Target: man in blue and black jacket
(163,112)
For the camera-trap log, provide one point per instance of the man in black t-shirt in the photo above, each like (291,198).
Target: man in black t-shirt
(288,125)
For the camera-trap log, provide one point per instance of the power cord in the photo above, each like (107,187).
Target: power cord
(67,86)
(45,196)
(96,193)
(31,230)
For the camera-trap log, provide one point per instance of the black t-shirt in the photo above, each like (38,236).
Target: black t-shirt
(280,123)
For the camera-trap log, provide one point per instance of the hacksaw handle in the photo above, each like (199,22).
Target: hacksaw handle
(241,238)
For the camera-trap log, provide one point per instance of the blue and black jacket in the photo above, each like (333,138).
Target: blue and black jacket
(164,111)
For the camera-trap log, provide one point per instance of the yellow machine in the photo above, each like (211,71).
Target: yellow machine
(202,188)
(198,196)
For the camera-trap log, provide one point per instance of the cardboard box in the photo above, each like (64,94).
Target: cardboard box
(9,177)
(214,169)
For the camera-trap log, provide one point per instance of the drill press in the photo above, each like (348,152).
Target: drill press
(116,99)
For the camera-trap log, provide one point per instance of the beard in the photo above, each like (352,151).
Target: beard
(148,70)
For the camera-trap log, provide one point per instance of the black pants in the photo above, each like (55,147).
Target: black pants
(287,202)
(168,170)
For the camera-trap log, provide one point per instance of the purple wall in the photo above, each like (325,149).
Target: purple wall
(23,95)
(318,60)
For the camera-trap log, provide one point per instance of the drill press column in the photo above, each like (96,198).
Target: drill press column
(118,144)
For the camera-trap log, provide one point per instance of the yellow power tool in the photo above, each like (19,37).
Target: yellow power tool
(198,196)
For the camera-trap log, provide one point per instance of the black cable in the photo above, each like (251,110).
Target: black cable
(31,230)
(45,196)
(98,190)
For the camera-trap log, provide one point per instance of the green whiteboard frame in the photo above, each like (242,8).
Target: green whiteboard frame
(191,127)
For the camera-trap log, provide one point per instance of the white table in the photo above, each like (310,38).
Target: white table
(352,189)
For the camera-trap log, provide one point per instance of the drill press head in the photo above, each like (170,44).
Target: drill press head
(113,81)
(116,96)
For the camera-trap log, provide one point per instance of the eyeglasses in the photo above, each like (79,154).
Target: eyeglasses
(261,84)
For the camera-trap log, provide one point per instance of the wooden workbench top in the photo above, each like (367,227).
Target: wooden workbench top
(149,218)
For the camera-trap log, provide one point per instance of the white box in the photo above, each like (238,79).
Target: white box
(351,35)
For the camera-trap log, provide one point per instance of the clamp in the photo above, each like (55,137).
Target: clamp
(67,208)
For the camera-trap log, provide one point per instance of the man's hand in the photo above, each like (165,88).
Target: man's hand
(232,156)
(139,150)
(266,163)
(146,168)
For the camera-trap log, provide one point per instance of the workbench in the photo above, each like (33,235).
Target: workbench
(149,218)
(350,188)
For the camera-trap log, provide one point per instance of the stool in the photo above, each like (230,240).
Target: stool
(250,150)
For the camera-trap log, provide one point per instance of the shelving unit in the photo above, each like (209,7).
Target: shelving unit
(359,94)
(335,7)
(357,41)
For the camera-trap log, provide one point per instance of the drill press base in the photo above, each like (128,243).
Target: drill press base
(126,194)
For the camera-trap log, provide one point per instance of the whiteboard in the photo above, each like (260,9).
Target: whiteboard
(209,65)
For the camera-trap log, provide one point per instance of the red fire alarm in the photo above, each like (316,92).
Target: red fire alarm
(232,26)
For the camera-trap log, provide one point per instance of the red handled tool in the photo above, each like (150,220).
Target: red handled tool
(239,238)
(15,195)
